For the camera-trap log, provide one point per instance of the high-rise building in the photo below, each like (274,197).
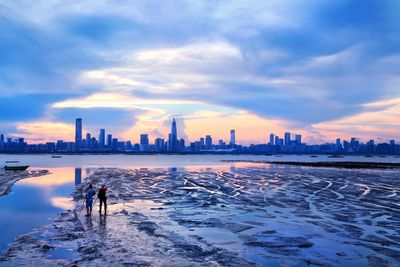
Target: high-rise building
(287,139)
(298,139)
(144,142)
(1,140)
(144,139)
(202,143)
(102,138)
(109,141)
(271,139)
(115,144)
(233,138)
(208,142)
(338,143)
(78,133)
(276,140)
(159,143)
(173,138)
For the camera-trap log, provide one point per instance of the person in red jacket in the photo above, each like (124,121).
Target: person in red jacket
(102,196)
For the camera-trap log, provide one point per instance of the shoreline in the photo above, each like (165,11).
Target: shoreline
(9,178)
(328,164)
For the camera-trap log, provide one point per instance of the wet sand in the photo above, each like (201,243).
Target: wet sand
(330,164)
(257,214)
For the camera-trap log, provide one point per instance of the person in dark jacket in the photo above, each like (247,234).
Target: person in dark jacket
(90,193)
(102,196)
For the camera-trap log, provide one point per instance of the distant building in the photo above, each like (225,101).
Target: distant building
(102,138)
(159,144)
(173,138)
(271,139)
(298,139)
(114,144)
(233,138)
(1,141)
(78,133)
(144,142)
(109,141)
(202,143)
(338,144)
(287,139)
(208,142)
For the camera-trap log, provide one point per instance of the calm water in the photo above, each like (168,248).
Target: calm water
(37,201)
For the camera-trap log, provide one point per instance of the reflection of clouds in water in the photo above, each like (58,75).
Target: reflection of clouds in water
(57,177)
(62,202)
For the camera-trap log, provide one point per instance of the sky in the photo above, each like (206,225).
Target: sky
(323,69)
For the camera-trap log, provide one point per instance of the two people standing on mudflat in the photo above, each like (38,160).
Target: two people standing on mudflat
(101,195)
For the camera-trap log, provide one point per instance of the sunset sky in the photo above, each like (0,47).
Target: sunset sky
(324,69)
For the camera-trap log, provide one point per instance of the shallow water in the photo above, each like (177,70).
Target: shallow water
(240,207)
(36,201)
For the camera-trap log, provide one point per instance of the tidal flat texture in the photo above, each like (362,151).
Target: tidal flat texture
(248,215)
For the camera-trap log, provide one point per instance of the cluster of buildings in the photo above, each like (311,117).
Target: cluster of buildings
(106,143)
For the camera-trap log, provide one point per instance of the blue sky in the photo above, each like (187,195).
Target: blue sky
(320,68)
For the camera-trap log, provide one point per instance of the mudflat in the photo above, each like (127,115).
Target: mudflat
(251,215)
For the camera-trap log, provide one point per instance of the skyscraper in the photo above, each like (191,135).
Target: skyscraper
(233,138)
(109,141)
(208,142)
(144,142)
(144,139)
(271,139)
(102,138)
(287,139)
(1,140)
(173,138)
(78,133)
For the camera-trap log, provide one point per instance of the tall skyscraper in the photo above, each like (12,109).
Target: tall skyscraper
(78,133)
(208,142)
(144,142)
(1,140)
(271,139)
(233,138)
(109,141)
(144,139)
(173,138)
(287,139)
(102,138)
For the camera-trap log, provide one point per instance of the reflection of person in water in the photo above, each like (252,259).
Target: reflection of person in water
(89,200)
(103,198)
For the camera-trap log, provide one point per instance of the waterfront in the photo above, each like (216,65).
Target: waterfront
(202,210)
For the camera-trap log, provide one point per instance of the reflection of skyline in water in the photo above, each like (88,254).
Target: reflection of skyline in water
(78,176)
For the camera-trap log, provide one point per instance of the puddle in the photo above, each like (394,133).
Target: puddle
(62,253)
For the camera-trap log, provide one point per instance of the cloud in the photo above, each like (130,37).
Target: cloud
(299,63)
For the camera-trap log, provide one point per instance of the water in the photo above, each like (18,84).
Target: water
(37,201)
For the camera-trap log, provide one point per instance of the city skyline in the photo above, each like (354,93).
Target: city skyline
(328,70)
(288,143)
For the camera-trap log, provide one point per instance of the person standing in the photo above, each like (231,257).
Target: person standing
(102,196)
(89,200)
